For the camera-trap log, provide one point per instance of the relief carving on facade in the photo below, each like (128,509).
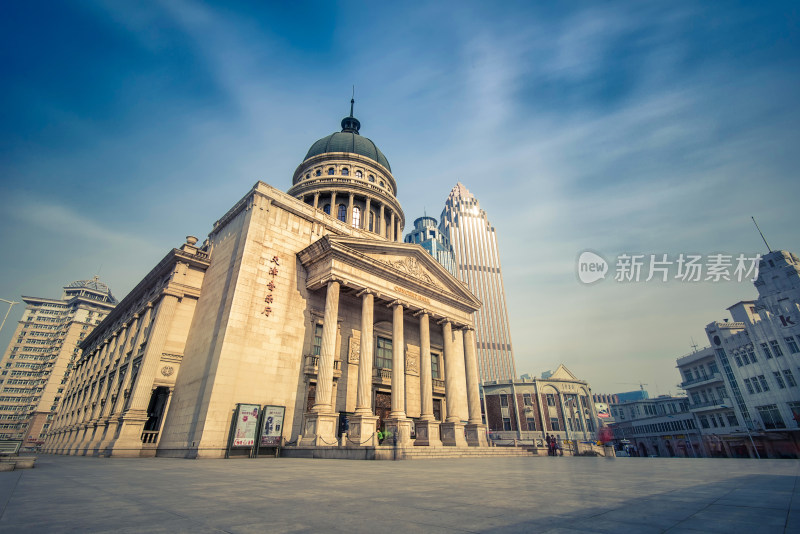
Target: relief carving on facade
(354,355)
(412,267)
(412,361)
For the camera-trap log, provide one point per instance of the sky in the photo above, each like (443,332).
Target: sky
(621,128)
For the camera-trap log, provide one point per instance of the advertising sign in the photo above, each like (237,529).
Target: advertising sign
(244,433)
(602,410)
(272,429)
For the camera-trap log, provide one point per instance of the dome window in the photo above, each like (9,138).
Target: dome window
(319,172)
(371,178)
(327,208)
(359,174)
(308,176)
(356,217)
(383,184)
(345,172)
(342,216)
(330,171)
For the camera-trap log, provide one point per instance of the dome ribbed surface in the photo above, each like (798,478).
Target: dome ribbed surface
(348,142)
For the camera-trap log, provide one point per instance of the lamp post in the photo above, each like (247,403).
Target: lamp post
(10,305)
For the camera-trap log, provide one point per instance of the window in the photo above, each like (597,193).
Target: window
(794,407)
(551,400)
(504,400)
(506,423)
(526,399)
(531,425)
(330,171)
(732,421)
(554,424)
(776,349)
(342,215)
(359,174)
(765,348)
(713,367)
(751,352)
(383,353)
(754,383)
(778,379)
(787,374)
(748,386)
(316,343)
(771,416)
(738,359)
(792,345)
(345,172)
(371,178)
(356,217)
(704,421)
(327,209)
(434,365)
(308,176)
(763,382)
(319,172)
(383,184)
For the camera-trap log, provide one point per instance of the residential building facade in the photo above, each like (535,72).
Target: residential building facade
(38,361)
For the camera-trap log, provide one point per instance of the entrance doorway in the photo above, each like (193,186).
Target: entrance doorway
(383,407)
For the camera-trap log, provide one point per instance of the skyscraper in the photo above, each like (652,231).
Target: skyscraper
(428,236)
(39,359)
(474,243)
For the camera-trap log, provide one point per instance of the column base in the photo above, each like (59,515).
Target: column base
(128,443)
(400,428)
(361,432)
(476,435)
(319,430)
(453,434)
(428,434)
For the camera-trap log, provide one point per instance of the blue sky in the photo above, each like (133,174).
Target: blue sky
(621,127)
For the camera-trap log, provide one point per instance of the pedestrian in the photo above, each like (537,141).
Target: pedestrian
(558,446)
(549,441)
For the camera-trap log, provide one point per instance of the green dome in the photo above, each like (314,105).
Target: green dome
(348,142)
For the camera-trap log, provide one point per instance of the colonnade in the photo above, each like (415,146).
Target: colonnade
(386,222)
(319,426)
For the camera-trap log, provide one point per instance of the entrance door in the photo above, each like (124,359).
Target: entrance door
(383,407)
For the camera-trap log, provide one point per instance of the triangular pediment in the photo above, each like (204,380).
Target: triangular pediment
(403,267)
(562,373)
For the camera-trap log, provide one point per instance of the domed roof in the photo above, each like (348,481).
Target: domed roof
(349,140)
(94,284)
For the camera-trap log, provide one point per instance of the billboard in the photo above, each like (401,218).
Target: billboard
(246,427)
(602,410)
(272,426)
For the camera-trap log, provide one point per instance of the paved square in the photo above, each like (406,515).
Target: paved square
(497,495)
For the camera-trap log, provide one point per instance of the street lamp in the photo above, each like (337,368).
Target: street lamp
(10,305)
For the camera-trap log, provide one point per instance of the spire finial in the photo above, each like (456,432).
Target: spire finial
(350,124)
(352,100)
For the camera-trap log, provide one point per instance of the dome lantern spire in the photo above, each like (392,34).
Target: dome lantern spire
(350,124)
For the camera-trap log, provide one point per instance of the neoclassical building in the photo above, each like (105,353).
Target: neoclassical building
(306,300)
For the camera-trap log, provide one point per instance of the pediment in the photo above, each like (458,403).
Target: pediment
(562,373)
(403,268)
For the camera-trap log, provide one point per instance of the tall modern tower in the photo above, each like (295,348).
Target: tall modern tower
(428,236)
(474,243)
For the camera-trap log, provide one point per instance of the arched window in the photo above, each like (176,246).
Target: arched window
(356,217)
(330,171)
(342,212)
(383,184)
(359,174)
(308,176)
(319,172)
(327,208)
(371,178)
(345,172)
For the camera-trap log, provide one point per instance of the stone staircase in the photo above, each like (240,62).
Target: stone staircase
(426,453)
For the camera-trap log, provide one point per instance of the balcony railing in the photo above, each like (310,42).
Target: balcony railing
(715,377)
(311,366)
(712,404)
(150,436)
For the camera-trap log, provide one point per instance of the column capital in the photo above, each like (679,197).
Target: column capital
(397,302)
(421,311)
(444,320)
(366,291)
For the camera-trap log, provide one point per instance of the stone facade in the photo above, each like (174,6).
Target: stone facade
(285,304)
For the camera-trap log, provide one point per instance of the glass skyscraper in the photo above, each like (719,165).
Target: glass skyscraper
(477,264)
(428,236)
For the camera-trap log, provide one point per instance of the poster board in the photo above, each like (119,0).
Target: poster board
(245,425)
(272,426)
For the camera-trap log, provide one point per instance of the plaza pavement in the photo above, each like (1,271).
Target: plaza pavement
(495,495)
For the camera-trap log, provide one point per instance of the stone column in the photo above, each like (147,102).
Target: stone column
(397,423)
(452,430)
(368,214)
(476,431)
(129,442)
(334,211)
(350,210)
(316,200)
(379,226)
(362,422)
(427,428)
(320,422)
(391,235)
